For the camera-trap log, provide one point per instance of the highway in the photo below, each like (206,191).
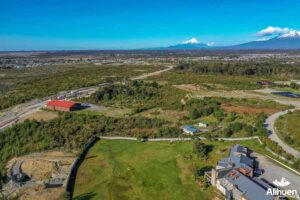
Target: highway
(14,114)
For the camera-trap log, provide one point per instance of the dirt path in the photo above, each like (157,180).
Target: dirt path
(143,76)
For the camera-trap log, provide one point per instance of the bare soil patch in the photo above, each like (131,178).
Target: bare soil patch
(42,116)
(40,167)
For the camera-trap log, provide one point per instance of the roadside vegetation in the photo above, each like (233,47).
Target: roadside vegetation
(288,128)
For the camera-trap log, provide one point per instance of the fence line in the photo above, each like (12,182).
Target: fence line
(168,139)
(117,138)
(69,184)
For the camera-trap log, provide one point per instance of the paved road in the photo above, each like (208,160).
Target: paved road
(270,121)
(272,171)
(13,115)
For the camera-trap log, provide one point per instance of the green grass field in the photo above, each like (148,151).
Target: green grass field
(288,128)
(134,170)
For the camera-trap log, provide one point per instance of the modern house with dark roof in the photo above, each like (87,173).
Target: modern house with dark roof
(233,177)
(238,158)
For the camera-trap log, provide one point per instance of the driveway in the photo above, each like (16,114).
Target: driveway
(273,171)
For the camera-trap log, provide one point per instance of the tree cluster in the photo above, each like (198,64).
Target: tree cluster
(242,68)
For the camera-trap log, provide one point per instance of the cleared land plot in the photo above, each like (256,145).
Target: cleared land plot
(135,170)
(39,167)
(170,115)
(42,116)
(288,128)
(122,169)
(210,81)
(107,111)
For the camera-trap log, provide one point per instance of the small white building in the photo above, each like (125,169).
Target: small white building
(203,124)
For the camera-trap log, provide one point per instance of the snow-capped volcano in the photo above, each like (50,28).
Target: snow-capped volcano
(191,41)
(291,34)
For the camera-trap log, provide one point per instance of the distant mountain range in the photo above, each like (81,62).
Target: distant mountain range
(288,41)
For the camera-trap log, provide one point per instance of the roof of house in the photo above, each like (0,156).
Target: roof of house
(237,158)
(237,149)
(61,103)
(190,128)
(247,186)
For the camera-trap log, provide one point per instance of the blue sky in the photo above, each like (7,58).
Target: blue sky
(120,24)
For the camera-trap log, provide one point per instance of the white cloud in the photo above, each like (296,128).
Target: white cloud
(211,43)
(191,41)
(278,31)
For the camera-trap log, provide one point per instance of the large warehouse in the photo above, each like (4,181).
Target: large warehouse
(62,105)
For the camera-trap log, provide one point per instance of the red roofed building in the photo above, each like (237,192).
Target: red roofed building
(62,105)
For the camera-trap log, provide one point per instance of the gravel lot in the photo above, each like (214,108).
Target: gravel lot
(274,171)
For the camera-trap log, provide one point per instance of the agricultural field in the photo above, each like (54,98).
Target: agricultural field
(288,128)
(121,169)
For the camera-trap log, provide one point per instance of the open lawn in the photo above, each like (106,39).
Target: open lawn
(135,170)
(118,169)
(288,128)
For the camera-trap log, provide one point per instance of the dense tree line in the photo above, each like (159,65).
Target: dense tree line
(129,91)
(203,107)
(71,131)
(242,68)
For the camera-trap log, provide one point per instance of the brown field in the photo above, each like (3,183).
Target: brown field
(247,109)
(42,116)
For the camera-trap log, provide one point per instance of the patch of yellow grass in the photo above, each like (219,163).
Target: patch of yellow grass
(42,116)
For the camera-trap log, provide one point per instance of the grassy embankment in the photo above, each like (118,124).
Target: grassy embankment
(288,128)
